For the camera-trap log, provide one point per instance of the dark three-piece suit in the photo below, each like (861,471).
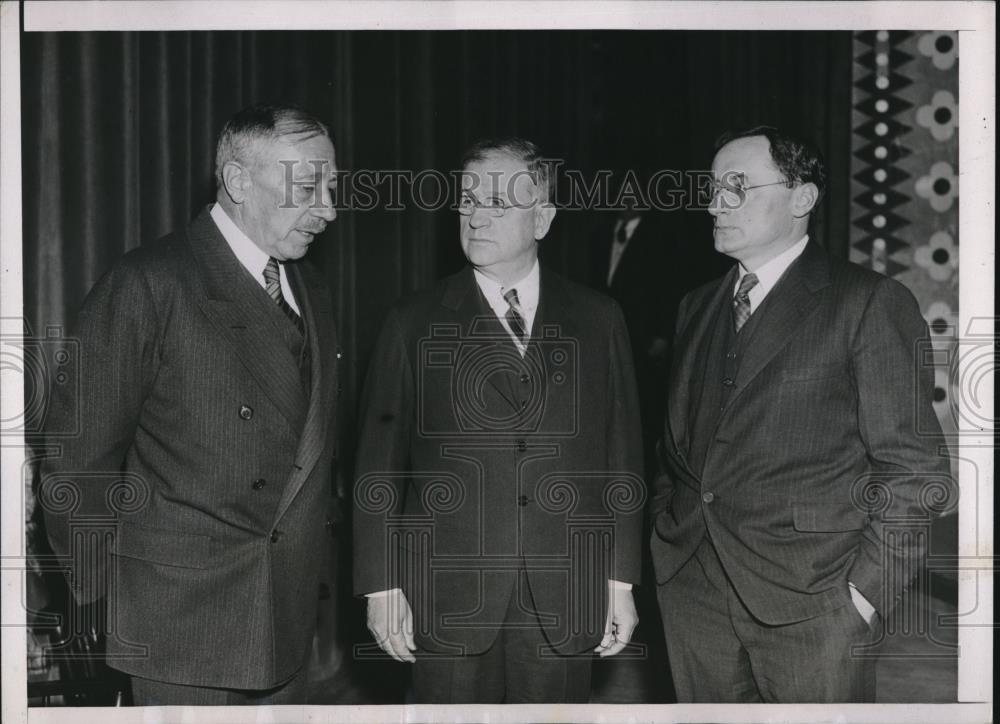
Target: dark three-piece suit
(803,449)
(482,475)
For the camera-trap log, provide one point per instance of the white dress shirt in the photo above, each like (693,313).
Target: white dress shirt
(527,297)
(768,274)
(251,256)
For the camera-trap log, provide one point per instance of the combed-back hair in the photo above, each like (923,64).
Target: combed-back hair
(248,131)
(541,169)
(797,159)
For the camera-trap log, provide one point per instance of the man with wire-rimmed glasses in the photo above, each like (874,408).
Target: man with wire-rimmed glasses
(499,485)
(790,449)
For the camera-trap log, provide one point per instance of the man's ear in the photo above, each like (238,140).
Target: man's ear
(544,214)
(804,199)
(236,180)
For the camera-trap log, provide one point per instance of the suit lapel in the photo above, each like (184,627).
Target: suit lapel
(554,324)
(315,304)
(554,307)
(237,305)
(692,347)
(477,319)
(785,308)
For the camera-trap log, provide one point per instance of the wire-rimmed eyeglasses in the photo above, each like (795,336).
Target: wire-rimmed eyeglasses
(736,186)
(493,205)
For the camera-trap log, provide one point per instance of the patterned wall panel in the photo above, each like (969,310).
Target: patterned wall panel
(904,177)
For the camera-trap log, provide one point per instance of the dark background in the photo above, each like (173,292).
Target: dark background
(119,132)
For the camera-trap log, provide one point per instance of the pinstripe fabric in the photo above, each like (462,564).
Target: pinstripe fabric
(215,572)
(828,393)
(825,397)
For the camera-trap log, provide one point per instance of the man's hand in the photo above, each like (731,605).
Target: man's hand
(391,622)
(622,620)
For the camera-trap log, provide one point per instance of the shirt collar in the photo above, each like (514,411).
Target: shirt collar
(768,274)
(527,292)
(629,227)
(251,256)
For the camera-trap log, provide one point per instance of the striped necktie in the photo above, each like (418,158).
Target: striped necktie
(741,302)
(514,317)
(272,278)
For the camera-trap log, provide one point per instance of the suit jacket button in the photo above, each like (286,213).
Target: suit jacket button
(522,445)
(525,378)
(708,497)
(246,412)
(522,500)
(275,535)
(258,483)
(728,382)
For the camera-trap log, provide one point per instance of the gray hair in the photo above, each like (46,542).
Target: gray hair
(245,133)
(541,169)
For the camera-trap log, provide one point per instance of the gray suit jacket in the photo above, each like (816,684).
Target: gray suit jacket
(827,450)
(202,460)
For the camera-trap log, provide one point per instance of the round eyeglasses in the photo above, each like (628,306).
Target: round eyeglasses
(493,205)
(732,190)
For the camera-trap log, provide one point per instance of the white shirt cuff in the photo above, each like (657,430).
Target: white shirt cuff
(383,594)
(864,606)
(618,585)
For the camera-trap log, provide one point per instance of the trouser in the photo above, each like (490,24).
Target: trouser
(719,652)
(519,668)
(147,692)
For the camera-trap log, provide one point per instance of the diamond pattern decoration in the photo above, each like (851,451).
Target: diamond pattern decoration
(905,175)
(878,199)
(873,106)
(880,187)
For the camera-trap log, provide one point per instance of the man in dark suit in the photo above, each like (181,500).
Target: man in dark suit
(632,267)
(647,260)
(499,489)
(207,390)
(791,449)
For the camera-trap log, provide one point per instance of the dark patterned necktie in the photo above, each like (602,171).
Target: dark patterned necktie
(741,302)
(514,317)
(272,278)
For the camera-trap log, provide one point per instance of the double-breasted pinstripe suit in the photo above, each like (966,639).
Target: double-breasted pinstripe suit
(221,442)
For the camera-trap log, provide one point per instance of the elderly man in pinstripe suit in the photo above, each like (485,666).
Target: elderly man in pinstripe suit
(208,384)
(791,446)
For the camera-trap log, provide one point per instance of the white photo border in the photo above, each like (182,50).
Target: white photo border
(975,22)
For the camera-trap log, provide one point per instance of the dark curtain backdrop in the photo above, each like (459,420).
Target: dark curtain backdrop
(119,130)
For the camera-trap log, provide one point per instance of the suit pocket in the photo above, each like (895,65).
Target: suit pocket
(812,372)
(167,547)
(820,518)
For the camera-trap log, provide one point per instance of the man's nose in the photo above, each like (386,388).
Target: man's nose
(479,218)
(325,209)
